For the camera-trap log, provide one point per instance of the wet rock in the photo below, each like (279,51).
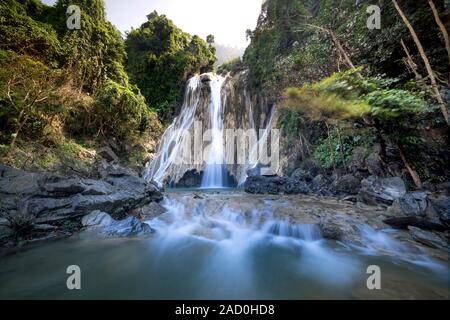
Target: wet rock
(206,77)
(374,164)
(5,232)
(411,204)
(301,175)
(320,182)
(384,191)
(264,185)
(103,224)
(151,211)
(275,185)
(413,221)
(130,227)
(427,238)
(108,154)
(340,228)
(441,205)
(191,179)
(97,219)
(347,184)
(50,197)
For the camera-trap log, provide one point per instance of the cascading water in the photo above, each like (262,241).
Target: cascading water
(254,150)
(171,143)
(214,174)
(227,246)
(217,103)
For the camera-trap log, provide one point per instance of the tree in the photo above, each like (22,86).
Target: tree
(210,39)
(161,57)
(28,88)
(431,74)
(392,112)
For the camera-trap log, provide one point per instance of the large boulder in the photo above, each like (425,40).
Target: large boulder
(301,175)
(411,204)
(191,179)
(103,224)
(275,185)
(50,197)
(340,228)
(97,219)
(427,238)
(151,211)
(414,221)
(384,191)
(320,182)
(108,154)
(374,164)
(347,184)
(265,185)
(441,205)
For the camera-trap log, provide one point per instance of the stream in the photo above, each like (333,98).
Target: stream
(226,245)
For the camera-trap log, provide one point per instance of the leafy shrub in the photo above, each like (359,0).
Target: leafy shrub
(120,110)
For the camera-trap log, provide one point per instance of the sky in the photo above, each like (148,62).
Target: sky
(227,20)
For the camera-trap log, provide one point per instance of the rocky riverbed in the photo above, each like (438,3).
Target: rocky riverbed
(44,206)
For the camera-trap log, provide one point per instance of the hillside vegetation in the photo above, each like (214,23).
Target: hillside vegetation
(346,91)
(64,94)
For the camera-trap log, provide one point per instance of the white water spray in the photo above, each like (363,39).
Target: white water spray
(172,140)
(213,176)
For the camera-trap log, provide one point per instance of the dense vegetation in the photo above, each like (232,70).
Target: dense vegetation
(386,102)
(65,93)
(160,59)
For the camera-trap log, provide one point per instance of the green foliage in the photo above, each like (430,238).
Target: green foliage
(27,93)
(121,110)
(337,149)
(160,59)
(395,104)
(329,153)
(22,32)
(288,49)
(57,83)
(95,53)
(364,101)
(232,66)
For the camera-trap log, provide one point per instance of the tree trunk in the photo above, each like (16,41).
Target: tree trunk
(339,46)
(412,171)
(431,75)
(330,148)
(413,66)
(19,128)
(381,141)
(443,30)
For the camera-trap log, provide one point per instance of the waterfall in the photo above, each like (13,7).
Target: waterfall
(172,140)
(215,171)
(212,103)
(254,150)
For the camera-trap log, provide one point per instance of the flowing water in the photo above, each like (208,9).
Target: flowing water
(215,171)
(205,100)
(171,143)
(224,244)
(204,251)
